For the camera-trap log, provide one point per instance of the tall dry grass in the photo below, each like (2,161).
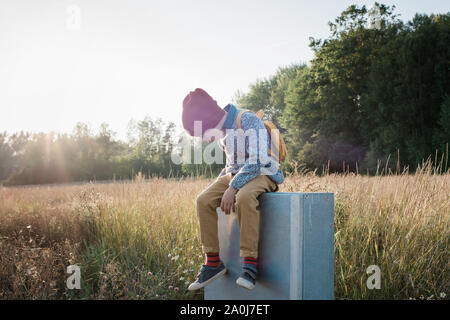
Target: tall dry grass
(139,240)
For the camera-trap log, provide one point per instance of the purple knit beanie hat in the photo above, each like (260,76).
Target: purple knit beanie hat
(199,106)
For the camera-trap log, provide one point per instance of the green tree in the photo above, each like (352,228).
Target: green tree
(378,90)
(408,90)
(268,94)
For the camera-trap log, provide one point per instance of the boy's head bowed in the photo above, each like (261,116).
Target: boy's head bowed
(198,105)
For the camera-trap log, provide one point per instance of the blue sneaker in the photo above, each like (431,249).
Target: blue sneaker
(247,279)
(207,275)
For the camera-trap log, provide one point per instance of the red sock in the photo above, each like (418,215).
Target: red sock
(212,259)
(251,260)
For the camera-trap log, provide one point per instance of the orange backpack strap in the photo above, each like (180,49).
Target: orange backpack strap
(259,114)
(238,118)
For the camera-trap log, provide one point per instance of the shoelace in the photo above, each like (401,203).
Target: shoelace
(250,271)
(201,270)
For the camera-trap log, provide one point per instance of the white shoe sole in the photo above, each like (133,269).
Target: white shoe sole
(245,283)
(196,285)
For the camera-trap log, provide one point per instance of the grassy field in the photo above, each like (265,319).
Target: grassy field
(139,240)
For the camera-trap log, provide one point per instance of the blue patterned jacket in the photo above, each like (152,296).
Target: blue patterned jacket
(245,172)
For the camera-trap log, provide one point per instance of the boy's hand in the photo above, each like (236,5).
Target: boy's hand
(228,198)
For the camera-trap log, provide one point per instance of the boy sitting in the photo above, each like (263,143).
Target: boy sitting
(238,186)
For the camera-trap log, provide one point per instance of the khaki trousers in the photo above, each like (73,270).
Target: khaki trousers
(246,208)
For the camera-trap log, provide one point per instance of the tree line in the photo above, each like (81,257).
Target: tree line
(376,92)
(373,92)
(83,155)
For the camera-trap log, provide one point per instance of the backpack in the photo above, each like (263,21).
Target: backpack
(274,133)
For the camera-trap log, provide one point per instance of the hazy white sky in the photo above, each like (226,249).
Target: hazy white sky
(131,58)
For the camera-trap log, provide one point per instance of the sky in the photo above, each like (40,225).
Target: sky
(111,61)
